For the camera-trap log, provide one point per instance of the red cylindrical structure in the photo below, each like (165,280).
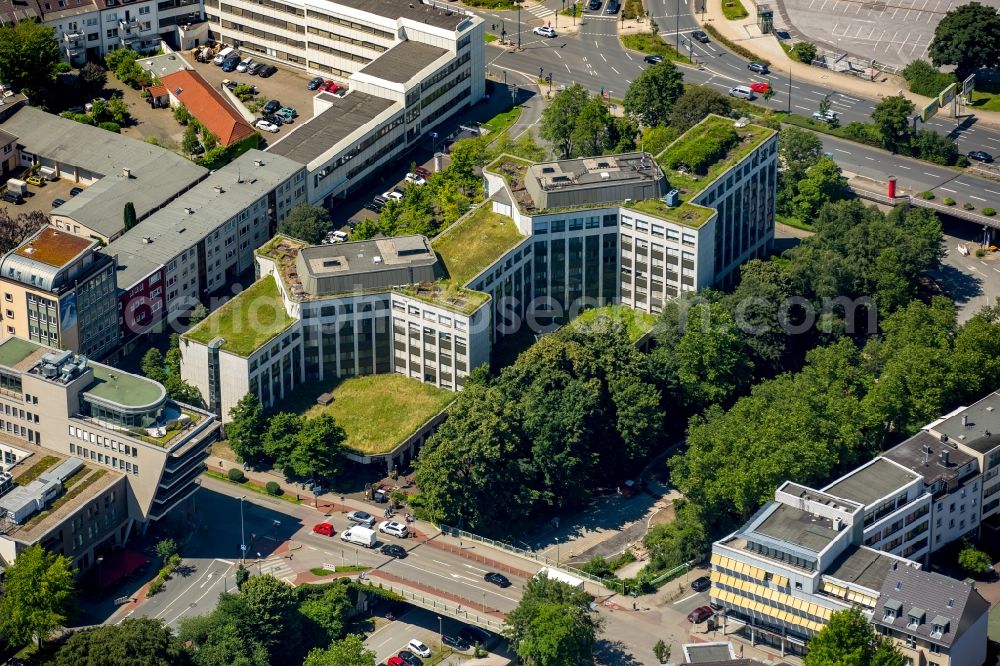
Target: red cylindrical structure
(892,187)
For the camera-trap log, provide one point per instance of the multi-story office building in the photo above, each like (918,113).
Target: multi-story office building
(130,455)
(59,290)
(564,236)
(199,243)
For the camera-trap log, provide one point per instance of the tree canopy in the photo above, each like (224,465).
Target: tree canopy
(892,118)
(307,223)
(696,103)
(850,639)
(350,651)
(968,37)
(651,96)
(553,624)
(29,53)
(133,642)
(39,595)
(245,430)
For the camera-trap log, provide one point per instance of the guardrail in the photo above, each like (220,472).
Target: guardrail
(525,553)
(954,211)
(438,606)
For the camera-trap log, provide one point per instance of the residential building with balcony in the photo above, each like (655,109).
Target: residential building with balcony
(118,454)
(59,290)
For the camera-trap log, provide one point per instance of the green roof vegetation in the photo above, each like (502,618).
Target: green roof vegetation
(123,388)
(699,155)
(636,323)
(378,412)
(688,214)
(15,350)
(248,321)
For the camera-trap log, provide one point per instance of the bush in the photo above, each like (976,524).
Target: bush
(273,488)
(182,115)
(152,140)
(962,161)
(154,588)
(734,10)
(700,154)
(111,127)
(989,212)
(804,52)
(236,474)
(927,195)
(968,206)
(936,148)
(980,253)
(865,133)
(924,79)
(78,117)
(948,201)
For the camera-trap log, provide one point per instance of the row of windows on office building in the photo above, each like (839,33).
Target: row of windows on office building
(114,462)
(349,347)
(274,382)
(569,269)
(745,217)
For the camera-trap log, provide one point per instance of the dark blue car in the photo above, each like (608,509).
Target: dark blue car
(230,65)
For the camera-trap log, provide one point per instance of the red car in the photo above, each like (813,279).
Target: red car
(330,86)
(326,529)
(760,87)
(395,661)
(421,171)
(699,615)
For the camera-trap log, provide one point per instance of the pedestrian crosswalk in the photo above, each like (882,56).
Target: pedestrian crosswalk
(540,11)
(279,568)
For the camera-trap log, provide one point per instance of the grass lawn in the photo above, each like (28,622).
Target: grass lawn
(503,120)
(652,44)
(377,411)
(690,215)
(490,37)
(252,486)
(636,323)
(794,222)
(248,321)
(36,470)
(986,96)
(734,10)
(569,10)
(474,243)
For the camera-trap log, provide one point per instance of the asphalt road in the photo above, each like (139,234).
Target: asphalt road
(595,58)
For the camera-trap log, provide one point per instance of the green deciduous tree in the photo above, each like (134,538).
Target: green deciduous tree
(325,611)
(282,437)
(974,561)
(892,117)
(553,624)
(318,453)
(29,54)
(166,548)
(798,150)
(39,589)
(804,52)
(190,143)
(271,613)
(925,80)
(93,77)
(684,539)
(350,651)
(592,130)
(695,104)
(559,118)
(968,37)
(823,183)
(133,642)
(934,147)
(651,96)
(850,639)
(307,223)
(247,428)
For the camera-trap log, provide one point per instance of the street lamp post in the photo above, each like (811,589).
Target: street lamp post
(519,26)
(260,570)
(562,8)
(100,578)
(243,536)
(677,27)
(440,631)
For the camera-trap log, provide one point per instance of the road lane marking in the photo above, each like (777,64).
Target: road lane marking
(616,71)
(690,596)
(603,58)
(973,196)
(842,151)
(947,190)
(801,107)
(932,175)
(991,191)
(869,158)
(903,167)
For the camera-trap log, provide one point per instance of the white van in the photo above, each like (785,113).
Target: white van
(361,536)
(340,236)
(398,530)
(741,91)
(223,54)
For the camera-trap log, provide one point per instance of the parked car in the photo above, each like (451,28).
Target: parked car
(497,579)
(254,68)
(653,59)
(274,119)
(37,181)
(58,202)
(699,615)
(455,642)
(701,584)
(230,65)
(272,106)
(422,172)
(415,179)
(266,71)
(244,65)
(266,126)
(594,5)
(700,36)
(375,206)
(75,191)
(419,648)
(326,529)
(389,526)
(760,87)
(330,86)
(410,658)
(394,661)
(544,31)
(361,518)
(393,550)
(394,194)
(287,112)
(759,67)
(475,635)
(12,197)
(980,156)
(314,83)
(828,117)
(613,7)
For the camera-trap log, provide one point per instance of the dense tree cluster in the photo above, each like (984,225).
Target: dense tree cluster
(553,624)
(13,230)
(577,123)
(134,642)
(576,411)
(968,37)
(29,54)
(849,638)
(38,596)
(305,222)
(167,371)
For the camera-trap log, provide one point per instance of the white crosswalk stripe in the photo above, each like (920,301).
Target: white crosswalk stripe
(279,568)
(541,11)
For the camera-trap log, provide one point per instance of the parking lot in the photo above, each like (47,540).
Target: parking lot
(895,33)
(424,626)
(286,86)
(41,198)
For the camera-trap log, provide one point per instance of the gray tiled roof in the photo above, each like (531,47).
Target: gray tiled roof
(403,61)
(929,594)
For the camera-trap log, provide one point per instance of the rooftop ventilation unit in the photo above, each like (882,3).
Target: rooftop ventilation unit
(218,189)
(605,175)
(147,240)
(126,173)
(377,259)
(548,170)
(258,163)
(673,198)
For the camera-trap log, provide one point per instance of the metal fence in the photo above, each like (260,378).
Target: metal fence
(438,606)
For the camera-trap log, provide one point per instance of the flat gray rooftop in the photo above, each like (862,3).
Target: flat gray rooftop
(862,566)
(367,256)
(786,523)
(162,65)
(315,137)
(415,11)
(212,202)
(927,463)
(403,61)
(156,174)
(702,653)
(590,171)
(872,482)
(982,431)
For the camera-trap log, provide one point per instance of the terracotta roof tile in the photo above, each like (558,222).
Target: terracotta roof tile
(208,105)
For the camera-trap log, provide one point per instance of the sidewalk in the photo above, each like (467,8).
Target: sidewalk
(746,34)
